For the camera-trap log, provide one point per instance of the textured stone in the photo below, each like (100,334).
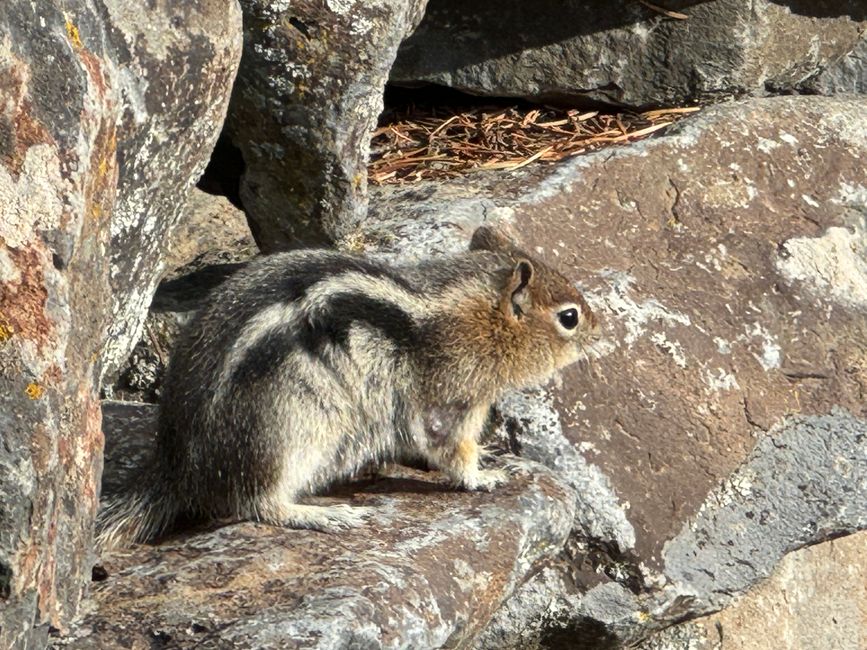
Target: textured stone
(625,53)
(107,114)
(728,261)
(846,75)
(304,105)
(426,572)
(816,599)
(175,69)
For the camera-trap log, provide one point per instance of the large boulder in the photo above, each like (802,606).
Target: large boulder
(108,112)
(627,53)
(845,75)
(427,571)
(722,422)
(306,101)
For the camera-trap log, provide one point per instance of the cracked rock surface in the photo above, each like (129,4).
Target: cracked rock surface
(623,52)
(427,571)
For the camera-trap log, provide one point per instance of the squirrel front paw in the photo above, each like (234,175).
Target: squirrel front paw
(485,479)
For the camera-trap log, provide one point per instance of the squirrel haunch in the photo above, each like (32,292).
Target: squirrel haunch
(305,366)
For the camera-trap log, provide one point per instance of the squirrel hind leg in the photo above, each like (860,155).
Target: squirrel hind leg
(328,519)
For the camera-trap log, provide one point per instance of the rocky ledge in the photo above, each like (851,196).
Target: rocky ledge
(429,570)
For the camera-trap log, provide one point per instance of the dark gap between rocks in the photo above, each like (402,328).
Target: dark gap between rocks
(222,176)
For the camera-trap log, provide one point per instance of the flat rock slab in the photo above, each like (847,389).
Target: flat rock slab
(428,570)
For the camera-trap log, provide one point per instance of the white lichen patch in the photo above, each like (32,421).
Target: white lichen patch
(738,486)
(767,146)
(832,266)
(635,316)
(719,379)
(722,346)
(673,348)
(340,7)
(32,202)
(469,579)
(770,355)
(852,196)
(8,271)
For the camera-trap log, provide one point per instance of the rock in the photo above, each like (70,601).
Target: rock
(846,75)
(175,69)
(211,232)
(721,423)
(304,106)
(816,598)
(426,572)
(625,53)
(108,113)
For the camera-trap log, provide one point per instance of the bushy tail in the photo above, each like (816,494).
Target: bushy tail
(139,513)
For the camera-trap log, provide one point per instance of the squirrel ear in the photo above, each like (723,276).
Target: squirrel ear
(517,299)
(487,239)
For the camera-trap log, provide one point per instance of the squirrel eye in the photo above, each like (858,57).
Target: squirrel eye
(568,318)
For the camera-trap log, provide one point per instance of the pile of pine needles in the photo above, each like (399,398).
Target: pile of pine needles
(424,142)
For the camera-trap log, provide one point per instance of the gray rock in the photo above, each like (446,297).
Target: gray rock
(175,69)
(728,260)
(815,599)
(804,482)
(845,75)
(428,570)
(625,53)
(304,105)
(108,114)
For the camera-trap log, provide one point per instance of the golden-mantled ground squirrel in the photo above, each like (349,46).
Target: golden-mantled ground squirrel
(306,366)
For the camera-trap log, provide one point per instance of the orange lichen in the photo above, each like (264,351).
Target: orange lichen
(34,390)
(23,302)
(5,330)
(73,34)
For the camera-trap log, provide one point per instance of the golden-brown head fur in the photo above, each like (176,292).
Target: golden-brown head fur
(529,323)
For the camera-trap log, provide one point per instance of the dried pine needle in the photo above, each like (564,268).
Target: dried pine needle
(423,143)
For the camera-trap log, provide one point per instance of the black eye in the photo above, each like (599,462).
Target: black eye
(568,318)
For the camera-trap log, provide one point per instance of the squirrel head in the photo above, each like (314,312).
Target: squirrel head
(540,308)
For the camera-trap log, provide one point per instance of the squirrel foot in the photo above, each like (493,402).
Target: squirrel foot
(328,519)
(485,480)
